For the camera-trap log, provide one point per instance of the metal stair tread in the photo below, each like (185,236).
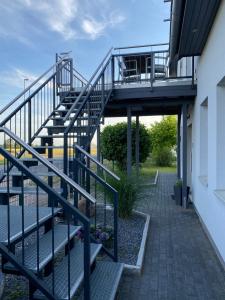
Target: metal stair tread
(54,136)
(14,190)
(34,159)
(64,126)
(79,118)
(45,248)
(104,280)
(76,272)
(14,173)
(30,212)
(50,147)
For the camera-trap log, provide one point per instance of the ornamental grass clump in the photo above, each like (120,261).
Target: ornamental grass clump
(127,194)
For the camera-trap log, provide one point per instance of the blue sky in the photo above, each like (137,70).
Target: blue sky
(32,31)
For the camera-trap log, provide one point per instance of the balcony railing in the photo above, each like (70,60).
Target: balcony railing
(144,64)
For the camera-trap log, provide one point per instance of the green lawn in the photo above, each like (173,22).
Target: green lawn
(149,167)
(147,171)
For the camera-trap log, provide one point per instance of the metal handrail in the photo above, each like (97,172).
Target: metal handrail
(45,162)
(141,46)
(32,95)
(97,162)
(30,86)
(87,86)
(86,98)
(140,53)
(84,80)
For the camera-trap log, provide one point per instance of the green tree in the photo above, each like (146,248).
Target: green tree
(114,143)
(163,139)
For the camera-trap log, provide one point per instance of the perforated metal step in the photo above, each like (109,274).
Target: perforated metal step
(76,272)
(30,220)
(14,190)
(45,248)
(105,280)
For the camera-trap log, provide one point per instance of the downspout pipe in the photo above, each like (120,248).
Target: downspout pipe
(176,25)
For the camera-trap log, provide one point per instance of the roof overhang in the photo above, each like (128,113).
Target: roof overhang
(191,23)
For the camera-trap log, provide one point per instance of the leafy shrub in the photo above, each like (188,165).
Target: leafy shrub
(163,157)
(114,143)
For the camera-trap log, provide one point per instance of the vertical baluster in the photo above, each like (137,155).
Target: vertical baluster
(8,206)
(5,146)
(20,126)
(24,123)
(23,220)
(86,261)
(34,114)
(95,215)
(68,256)
(115,215)
(44,102)
(104,201)
(53,99)
(10,140)
(41,107)
(53,247)
(29,121)
(38,118)
(38,229)
(15,122)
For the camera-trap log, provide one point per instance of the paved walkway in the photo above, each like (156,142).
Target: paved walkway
(179,263)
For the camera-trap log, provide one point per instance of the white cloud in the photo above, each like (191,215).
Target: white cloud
(57,15)
(71,19)
(94,28)
(15,77)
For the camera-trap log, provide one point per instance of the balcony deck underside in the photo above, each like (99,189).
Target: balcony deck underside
(144,101)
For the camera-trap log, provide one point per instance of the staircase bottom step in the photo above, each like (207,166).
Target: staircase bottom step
(61,273)
(105,281)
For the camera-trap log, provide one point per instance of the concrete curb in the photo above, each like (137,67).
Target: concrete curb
(154,183)
(156,178)
(137,269)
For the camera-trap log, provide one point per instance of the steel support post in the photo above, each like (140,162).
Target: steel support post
(184,156)
(137,145)
(129,142)
(178,145)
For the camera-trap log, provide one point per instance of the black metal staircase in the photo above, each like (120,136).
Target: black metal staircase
(54,196)
(47,172)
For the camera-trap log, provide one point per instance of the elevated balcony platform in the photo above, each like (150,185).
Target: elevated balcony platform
(142,82)
(164,97)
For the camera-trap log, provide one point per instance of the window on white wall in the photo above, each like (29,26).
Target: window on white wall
(220,135)
(204,139)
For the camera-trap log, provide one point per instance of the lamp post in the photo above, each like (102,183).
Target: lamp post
(24,85)
(25,116)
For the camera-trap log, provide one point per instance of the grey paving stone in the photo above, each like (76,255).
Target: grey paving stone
(180,262)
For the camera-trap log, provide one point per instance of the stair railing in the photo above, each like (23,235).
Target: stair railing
(104,213)
(30,153)
(27,118)
(26,222)
(88,108)
(12,105)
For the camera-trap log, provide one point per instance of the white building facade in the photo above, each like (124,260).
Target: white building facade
(206,132)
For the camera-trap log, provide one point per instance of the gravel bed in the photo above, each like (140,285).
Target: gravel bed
(129,235)
(129,238)
(16,287)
